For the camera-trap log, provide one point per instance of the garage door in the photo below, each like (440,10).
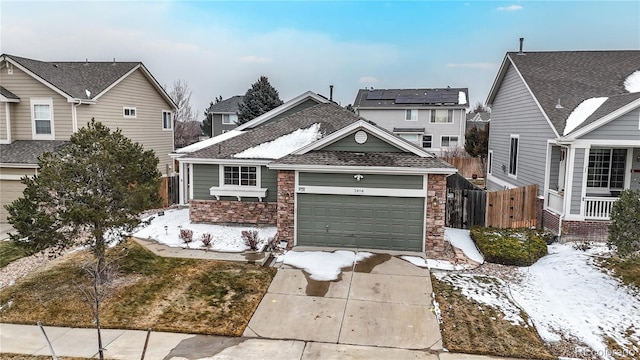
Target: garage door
(10,191)
(375,222)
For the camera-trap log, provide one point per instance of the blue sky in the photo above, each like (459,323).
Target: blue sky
(222,47)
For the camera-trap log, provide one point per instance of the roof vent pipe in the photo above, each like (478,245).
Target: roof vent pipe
(521,43)
(330,92)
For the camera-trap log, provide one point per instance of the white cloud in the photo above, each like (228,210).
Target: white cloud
(509,8)
(255,59)
(486,66)
(368,80)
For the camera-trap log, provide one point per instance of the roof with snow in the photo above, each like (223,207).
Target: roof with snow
(28,151)
(407,98)
(227,106)
(612,104)
(329,117)
(571,77)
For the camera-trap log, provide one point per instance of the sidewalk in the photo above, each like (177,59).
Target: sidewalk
(128,344)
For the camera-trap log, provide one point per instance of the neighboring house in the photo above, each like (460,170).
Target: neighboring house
(478,120)
(224,115)
(568,121)
(324,176)
(431,118)
(43,103)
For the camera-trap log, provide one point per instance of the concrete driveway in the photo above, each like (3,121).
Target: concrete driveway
(383,301)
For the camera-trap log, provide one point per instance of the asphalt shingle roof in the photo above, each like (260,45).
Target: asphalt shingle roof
(387,97)
(8,94)
(331,117)
(229,105)
(73,78)
(345,158)
(27,151)
(574,76)
(612,104)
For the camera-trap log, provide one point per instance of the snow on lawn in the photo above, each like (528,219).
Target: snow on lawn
(582,112)
(323,266)
(564,292)
(461,239)
(283,145)
(434,264)
(486,290)
(632,82)
(223,238)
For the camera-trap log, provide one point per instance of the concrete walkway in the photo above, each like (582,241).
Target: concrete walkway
(128,344)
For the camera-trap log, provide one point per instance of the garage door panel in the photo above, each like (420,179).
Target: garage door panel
(360,221)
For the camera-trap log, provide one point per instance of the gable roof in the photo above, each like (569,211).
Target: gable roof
(612,108)
(283,108)
(27,151)
(569,78)
(73,79)
(404,98)
(8,96)
(330,116)
(226,106)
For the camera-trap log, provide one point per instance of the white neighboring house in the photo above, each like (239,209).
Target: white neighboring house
(434,119)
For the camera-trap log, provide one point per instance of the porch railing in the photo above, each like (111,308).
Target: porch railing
(598,208)
(555,201)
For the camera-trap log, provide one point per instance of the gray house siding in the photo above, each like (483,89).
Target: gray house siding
(554,168)
(368,181)
(218,127)
(373,144)
(576,185)
(514,111)
(207,175)
(626,127)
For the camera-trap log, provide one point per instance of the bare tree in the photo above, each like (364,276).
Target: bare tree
(184,131)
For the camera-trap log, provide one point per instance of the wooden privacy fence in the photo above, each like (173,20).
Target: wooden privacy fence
(467,166)
(512,208)
(169,190)
(465,203)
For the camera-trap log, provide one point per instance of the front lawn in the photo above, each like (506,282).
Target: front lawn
(10,252)
(165,294)
(627,270)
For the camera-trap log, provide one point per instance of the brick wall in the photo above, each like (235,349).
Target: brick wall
(233,212)
(550,221)
(434,243)
(286,206)
(585,230)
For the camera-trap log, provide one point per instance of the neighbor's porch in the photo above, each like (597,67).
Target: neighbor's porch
(583,183)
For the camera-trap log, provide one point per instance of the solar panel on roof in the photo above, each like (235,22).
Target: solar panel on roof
(403,99)
(437,97)
(374,95)
(418,99)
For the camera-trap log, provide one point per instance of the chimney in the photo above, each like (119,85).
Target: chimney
(521,43)
(330,92)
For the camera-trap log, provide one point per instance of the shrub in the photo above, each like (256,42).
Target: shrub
(250,238)
(519,247)
(624,232)
(186,236)
(206,241)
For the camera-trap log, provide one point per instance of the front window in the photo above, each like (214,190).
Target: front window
(167,122)
(427,141)
(410,137)
(449,141)
(240,175)
(42,118)
(229,119)
(411,115)
(513,154)
(441,116)
(606,168)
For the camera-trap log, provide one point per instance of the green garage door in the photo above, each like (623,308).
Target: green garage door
(375,222)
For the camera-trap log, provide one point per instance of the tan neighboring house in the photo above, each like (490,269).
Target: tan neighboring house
(43,103)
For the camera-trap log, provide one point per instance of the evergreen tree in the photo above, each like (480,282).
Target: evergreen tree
(208,118)
(88,193)
(260,98)
(477,141)
(624,232)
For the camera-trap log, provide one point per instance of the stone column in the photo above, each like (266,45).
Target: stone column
(286,206)
(436,201)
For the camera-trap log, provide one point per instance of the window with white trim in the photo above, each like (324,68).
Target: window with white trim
(410,137)
(42,118)
(490,162)
(229,119)
(240,175)
(167,120)
(129,112)
(606,168)
(427,141)
(441,116)
(449,141)
(411,115)
(514,147)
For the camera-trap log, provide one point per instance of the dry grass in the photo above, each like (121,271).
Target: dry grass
(470,327)
(627,270)
(166,294)
(10,252)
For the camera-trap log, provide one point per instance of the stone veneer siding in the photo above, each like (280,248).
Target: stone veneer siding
(434,243)
(233,212)
(286,206)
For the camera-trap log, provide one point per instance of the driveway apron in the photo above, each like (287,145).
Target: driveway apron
(382,301)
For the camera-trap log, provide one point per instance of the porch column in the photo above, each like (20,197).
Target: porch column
(436,201)
(286,206)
